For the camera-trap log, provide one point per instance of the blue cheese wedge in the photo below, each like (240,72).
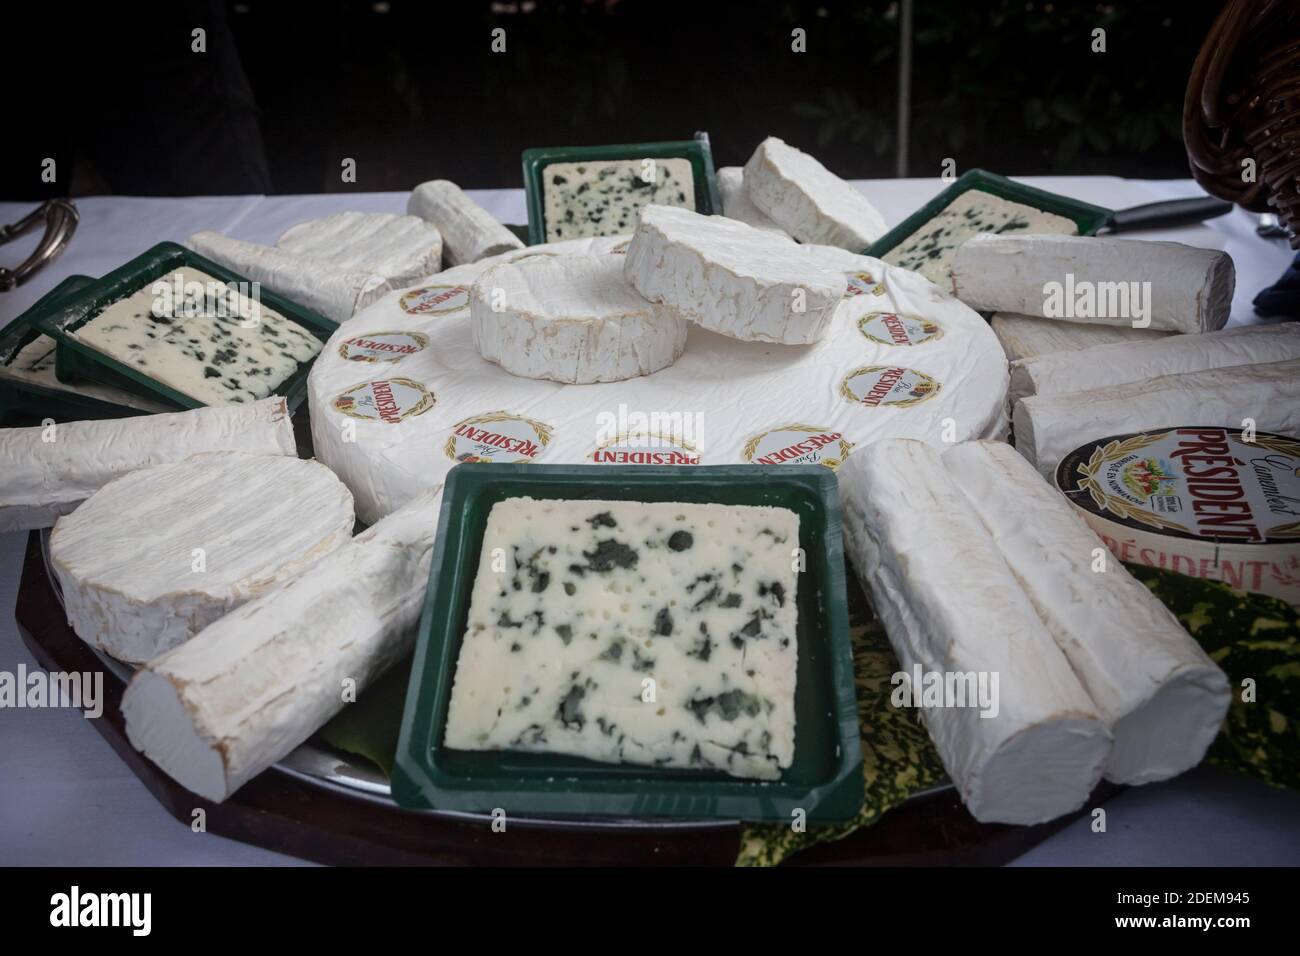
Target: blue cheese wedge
(603,198)
(211,343)
(657,633)
(34,365)
(930,250)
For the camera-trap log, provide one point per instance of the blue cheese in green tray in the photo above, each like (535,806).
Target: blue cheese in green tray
(210,342)
(627,632)
(602,198)
(930,250)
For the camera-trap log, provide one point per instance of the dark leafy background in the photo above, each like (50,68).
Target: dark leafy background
(412,91)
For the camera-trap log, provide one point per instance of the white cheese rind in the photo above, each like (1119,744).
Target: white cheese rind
(807,200)
(1028,336)
(1161,695)
(319,286)
(604,197)
(402,249)
(949,603)
(49,471)
(1049,427)
(696,599)
(1124,362)
(469,232)
(252,686)
(1190,289)
(155,556)
(930,250)
(731,278)
(736,204)
(742,390)
(571,319)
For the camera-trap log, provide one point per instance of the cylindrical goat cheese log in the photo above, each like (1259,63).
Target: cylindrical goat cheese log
(469,232)
(736,204)
(1162,696)
(731,278)
(49,470)
(402,249)
(1049,427)
(1124,362)
(1091,279)
(953,609)
(571,319)
(320,286)
(157,555)
(1028,336)
(807,200)
(251,687)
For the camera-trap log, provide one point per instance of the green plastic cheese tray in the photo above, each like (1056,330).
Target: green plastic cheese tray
(76,361)
(825,777)
(27,403)
(1087,217)
(697,150)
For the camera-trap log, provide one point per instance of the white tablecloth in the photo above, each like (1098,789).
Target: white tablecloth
(65,798)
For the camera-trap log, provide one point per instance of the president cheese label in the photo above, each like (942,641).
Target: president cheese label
(877,385)
(436,299)
(1207,502)
(390,400)
(862,283)
(497,436)
(642,448)
(382,346)
(889,328)
(797,445)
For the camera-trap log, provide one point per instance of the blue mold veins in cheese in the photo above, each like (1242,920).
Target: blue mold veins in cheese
(656,633)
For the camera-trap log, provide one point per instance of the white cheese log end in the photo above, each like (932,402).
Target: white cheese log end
(950,604)
(44,479)
(1162,696)
(1180,288)
(1049,427)
(469,232)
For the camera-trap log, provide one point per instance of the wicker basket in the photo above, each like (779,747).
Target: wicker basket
(1243,103)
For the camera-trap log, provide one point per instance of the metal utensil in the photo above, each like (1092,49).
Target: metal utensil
(60,219)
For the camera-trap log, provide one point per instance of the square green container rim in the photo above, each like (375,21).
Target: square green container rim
(1086,216)
(58,318)
(834,800)
(18,396)
(708,201)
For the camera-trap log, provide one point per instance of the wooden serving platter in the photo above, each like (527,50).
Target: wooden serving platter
(285,813)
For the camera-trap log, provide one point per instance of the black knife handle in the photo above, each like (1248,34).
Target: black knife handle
(1167,213)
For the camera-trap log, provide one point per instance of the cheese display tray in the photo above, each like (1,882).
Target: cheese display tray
(696,151)
(24,402)
(1087,217)
(825,778)
(77,361)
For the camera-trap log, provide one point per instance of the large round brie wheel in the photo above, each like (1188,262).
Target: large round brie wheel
(400,394)
(571,319)
(155,556)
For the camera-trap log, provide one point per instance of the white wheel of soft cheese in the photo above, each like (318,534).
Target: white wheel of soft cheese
(400,394)
(571,319)
(155,556)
